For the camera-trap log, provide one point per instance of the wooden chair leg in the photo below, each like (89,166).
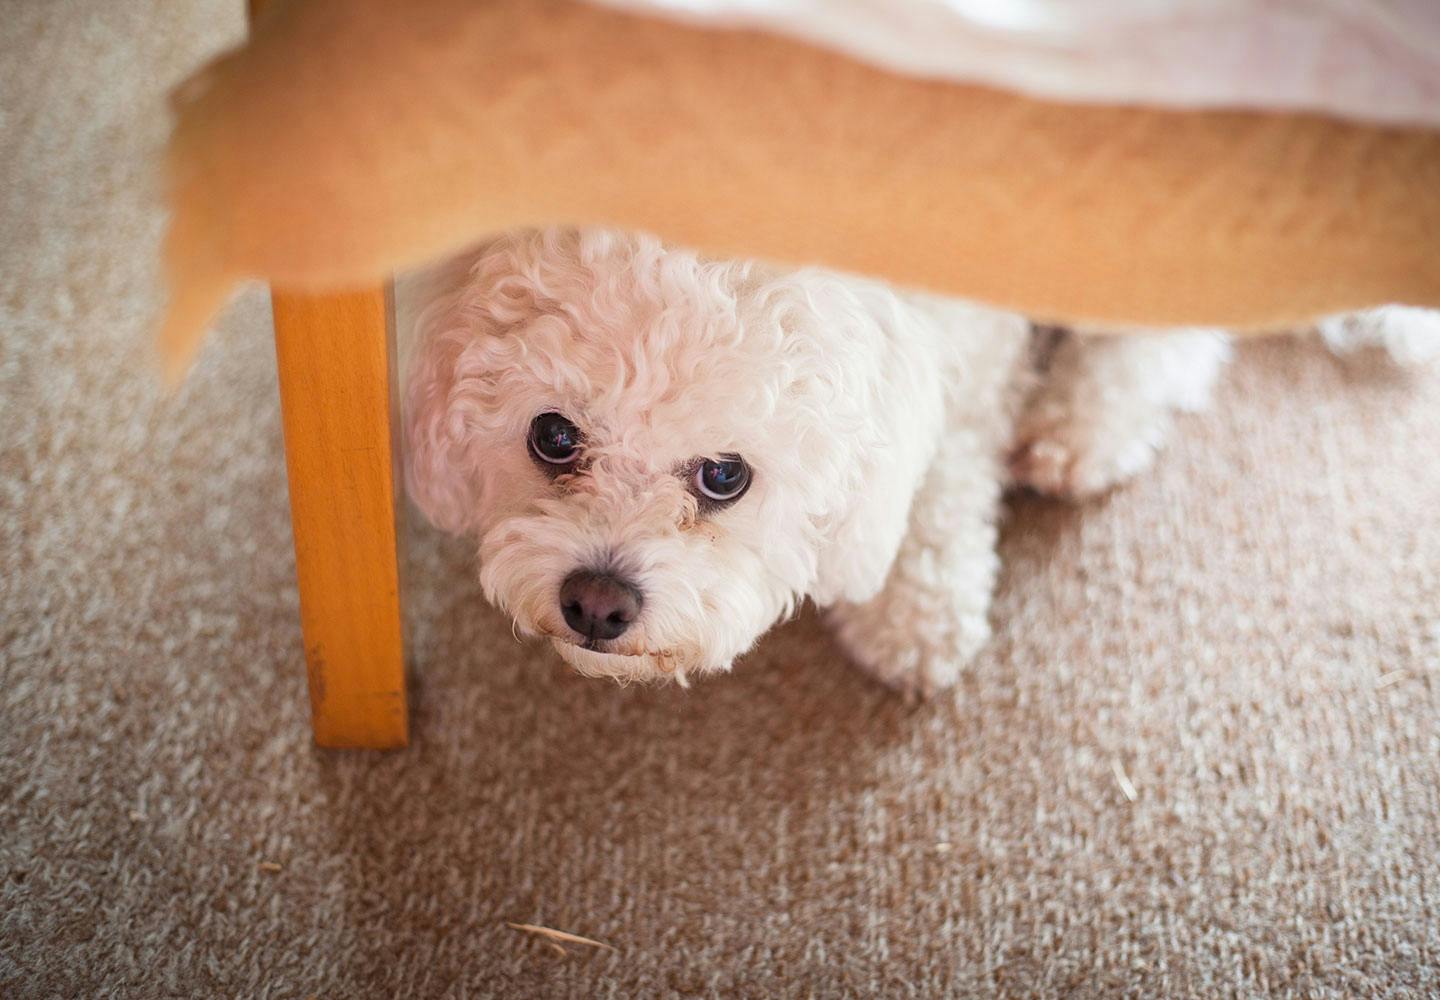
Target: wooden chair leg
(336,358)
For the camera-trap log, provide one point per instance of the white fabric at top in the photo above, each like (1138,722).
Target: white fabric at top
(1371,59)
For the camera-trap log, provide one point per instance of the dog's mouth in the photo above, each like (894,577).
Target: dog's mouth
(599,646)
(625,659)
(599,658)
(604,647)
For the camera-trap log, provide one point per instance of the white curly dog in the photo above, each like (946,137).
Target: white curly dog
(661,455)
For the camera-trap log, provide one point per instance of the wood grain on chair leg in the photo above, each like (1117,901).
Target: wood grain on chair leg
(336,358)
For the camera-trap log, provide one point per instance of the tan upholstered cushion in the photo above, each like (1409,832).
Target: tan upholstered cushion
(350,139)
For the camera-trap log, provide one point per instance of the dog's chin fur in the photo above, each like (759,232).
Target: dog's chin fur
(624,669)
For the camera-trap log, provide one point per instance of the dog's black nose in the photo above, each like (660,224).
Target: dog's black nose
(598,605)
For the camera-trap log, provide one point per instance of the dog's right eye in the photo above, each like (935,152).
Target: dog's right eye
(554,439)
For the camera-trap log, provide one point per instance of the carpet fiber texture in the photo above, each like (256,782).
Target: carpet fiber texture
(1201,758)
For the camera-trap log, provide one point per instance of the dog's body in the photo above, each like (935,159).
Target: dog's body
(662,455)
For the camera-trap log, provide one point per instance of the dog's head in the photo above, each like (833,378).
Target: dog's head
(659,455)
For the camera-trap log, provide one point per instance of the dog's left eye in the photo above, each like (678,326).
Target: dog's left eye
(554,439)
(723,480)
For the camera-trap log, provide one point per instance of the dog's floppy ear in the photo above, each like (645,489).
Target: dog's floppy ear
(440,474)
(886,412)
(861,544)
(473,298)
(913,405)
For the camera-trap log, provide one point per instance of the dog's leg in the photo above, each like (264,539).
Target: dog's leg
(931,616)
(1105,407)
(1410,336)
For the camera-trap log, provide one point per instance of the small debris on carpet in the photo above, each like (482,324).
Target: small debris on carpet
(269,866)
(1127,787)
(558,936)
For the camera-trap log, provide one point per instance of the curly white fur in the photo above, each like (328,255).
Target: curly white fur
(1409,335)
(880,427)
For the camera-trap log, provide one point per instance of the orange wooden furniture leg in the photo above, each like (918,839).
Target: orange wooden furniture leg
(336,358)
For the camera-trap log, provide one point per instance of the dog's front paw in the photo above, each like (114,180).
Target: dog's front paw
(1062,453)
(917,657)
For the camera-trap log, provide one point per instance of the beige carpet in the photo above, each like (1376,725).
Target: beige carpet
(1251,635)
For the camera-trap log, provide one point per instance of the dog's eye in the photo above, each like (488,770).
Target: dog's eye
(724,479)
(554,440)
